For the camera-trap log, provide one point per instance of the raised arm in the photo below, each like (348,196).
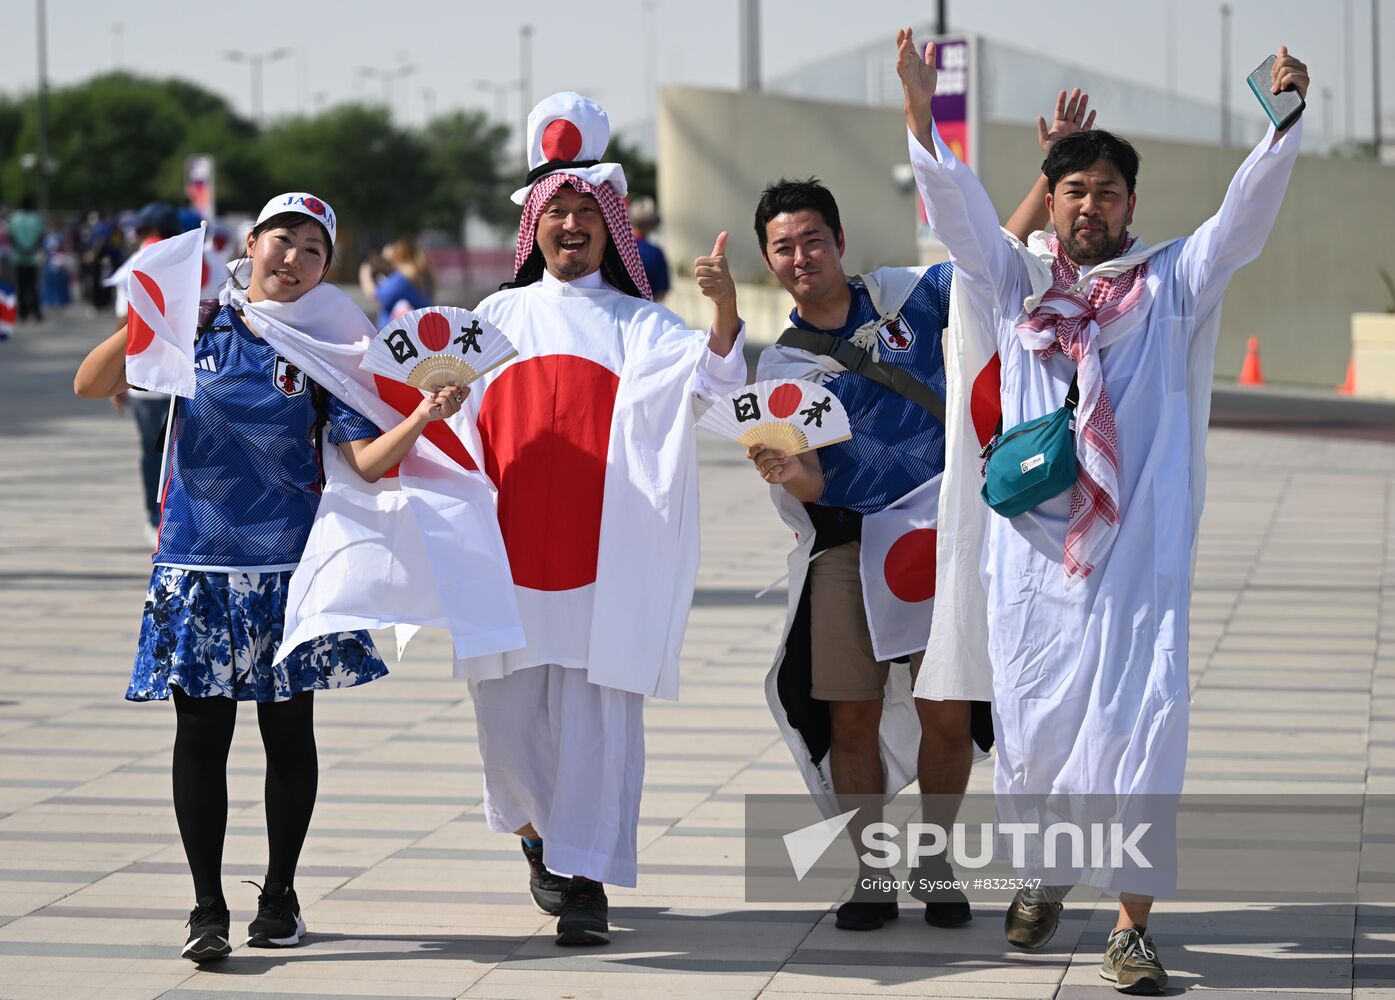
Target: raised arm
(959,209)
(1236,234)
(103,372)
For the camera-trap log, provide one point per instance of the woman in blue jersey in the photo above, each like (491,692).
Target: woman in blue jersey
(238,500)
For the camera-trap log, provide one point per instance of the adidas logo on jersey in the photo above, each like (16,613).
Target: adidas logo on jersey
(206,363)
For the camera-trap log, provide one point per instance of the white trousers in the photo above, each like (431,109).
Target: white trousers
(567,756)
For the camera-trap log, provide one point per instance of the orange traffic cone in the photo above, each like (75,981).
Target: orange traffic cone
(1348,388)
(1249,371)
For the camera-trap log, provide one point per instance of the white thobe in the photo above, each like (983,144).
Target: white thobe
(1090,676)
(588,437)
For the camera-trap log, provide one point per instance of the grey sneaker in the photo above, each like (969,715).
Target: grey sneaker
(1034,915)
(546,887)
(1131,964)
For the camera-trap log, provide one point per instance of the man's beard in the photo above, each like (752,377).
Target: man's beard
(1098,250)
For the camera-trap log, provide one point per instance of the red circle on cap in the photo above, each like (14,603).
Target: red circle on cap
(561,140)
(315,205)
(138,332)
(433,331)
(784,400)
(910,566)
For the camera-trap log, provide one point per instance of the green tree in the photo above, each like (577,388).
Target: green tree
(375,175)
(465,153)
(640,172)
(119,140)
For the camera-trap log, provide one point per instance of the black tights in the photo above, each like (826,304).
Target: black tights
(201,743)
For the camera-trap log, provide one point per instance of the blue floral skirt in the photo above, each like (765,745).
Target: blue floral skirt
(216,634)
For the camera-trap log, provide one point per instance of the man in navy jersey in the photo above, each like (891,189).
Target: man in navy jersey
(829,689)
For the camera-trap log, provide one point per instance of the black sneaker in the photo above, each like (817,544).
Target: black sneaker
(868,910)
(208,931)
(584,919)
(547,887)
(278,923)
(945,905)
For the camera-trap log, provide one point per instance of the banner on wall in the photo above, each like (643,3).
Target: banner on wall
(955,107)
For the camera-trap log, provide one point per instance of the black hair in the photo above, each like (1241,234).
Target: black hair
(1079,150)
(28,203)
(613,268)
(293,220)
(795,196)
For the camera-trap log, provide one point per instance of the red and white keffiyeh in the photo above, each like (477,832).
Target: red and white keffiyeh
(613,210)
(1072,323)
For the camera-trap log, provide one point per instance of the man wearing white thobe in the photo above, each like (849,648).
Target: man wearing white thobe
(588,437)
(1088,593)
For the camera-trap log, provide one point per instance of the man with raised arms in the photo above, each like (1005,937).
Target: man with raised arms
(1088,593)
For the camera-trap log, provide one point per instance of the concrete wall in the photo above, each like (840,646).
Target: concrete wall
(717,149)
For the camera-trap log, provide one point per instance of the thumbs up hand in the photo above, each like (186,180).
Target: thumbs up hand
(713,276)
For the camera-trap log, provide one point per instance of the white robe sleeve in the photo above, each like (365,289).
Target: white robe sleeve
(717,375)
(963,217)
(1236,234)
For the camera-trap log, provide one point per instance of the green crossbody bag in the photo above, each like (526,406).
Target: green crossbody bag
(1032,462)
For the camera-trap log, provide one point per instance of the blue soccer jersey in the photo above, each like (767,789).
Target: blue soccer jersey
(896,445)
(244,470)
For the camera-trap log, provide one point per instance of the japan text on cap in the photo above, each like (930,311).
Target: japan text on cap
(569,133)
(305,204)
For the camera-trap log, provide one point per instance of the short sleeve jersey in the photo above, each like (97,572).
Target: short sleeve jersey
(395,288)
(896,445)
(244,469)
(655,266)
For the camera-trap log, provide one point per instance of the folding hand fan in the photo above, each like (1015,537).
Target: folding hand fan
(789,415)
(430,348)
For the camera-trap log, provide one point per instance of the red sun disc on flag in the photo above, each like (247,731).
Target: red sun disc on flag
(985,404)
(548,461)
(784,400)
(434,332)
(138,332)
(561,140)
(910,566)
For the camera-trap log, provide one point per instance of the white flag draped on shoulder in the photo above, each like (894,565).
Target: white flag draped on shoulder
(898,571)
(420,549)
(162,291)
(958,645)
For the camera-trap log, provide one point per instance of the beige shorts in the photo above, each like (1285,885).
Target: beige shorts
(844,667)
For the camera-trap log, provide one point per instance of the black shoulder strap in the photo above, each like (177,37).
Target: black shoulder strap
(858,361)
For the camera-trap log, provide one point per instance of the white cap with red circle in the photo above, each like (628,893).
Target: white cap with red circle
(569,133)
(304,203)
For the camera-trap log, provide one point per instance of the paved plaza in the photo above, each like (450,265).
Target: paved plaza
(408,895)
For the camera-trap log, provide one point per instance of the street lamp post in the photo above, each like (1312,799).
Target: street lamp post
(42,163)
(117,30)
(1225,74)
(525,80)
(401,71)
(1375,78)
(255,60)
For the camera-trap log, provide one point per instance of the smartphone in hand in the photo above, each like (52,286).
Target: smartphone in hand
(1282,108)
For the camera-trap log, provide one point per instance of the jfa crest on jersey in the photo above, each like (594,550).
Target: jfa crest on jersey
(895,334)
(288,378)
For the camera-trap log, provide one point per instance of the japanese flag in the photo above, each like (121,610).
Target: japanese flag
(898,571)
(162,289)
(957,653)
(7,311)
